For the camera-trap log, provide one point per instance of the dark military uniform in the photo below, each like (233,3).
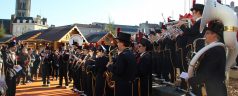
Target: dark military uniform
(211,73)
(181,53)
(100,67)
(83,73)
(169,65)
(76,72)
(124,70)
(55,65)
(63,69)
(79,74)
(90,70)
(144,72)
(192,33)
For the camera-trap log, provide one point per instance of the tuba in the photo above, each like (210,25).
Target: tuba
(215,11)
(76,39)
(107,74)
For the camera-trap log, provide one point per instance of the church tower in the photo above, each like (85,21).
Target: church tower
(23,8)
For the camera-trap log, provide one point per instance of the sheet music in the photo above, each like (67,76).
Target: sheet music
(184,75)
(17,68)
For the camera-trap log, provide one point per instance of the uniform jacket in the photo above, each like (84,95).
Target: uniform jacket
(125,66)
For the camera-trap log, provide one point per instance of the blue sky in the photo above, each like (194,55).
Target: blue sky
(128,12)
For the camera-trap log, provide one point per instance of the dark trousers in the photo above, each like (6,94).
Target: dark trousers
(100,85)
(182,65)
(90,85)
(123,88)
(63,74)
(77,80)
(11,84)
(55,72)
(145,84)
(159,64)
(46,79)
(109,91)
(46,75)
(84,82)
(136,87)
(168,68)
(216,88)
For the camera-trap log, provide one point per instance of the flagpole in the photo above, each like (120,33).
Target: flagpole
(184,6)
(189,4)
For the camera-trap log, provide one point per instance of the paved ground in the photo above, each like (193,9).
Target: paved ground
(233,83)
(35,89)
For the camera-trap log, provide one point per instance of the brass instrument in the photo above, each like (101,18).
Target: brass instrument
(194,51)
(76,38)
(107,74)
(82,65)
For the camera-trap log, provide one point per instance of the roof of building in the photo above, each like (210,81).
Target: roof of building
(95,37)
(6,38)
(124,28)
(92,33)
(55,33)
(88,26)
(127,28)
(6,23)
(29,34)
(130,30)
(153,25)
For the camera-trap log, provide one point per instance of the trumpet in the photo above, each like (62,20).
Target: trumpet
(107,74)
(187,22)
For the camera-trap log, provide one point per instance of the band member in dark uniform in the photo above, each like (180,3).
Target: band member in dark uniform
(100,67)
(63,69)
(124,69)
(55,64)
(156,65)
(10,72)
(210,74)
(90,66)
(144,67)
(193,32)
(77,71)
(85,56)
(184,42)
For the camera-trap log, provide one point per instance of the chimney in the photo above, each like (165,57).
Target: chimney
(44,20)
(52,26)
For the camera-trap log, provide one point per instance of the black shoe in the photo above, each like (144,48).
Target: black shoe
(59,86)
(44,85)
(66,87)
(234,68)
